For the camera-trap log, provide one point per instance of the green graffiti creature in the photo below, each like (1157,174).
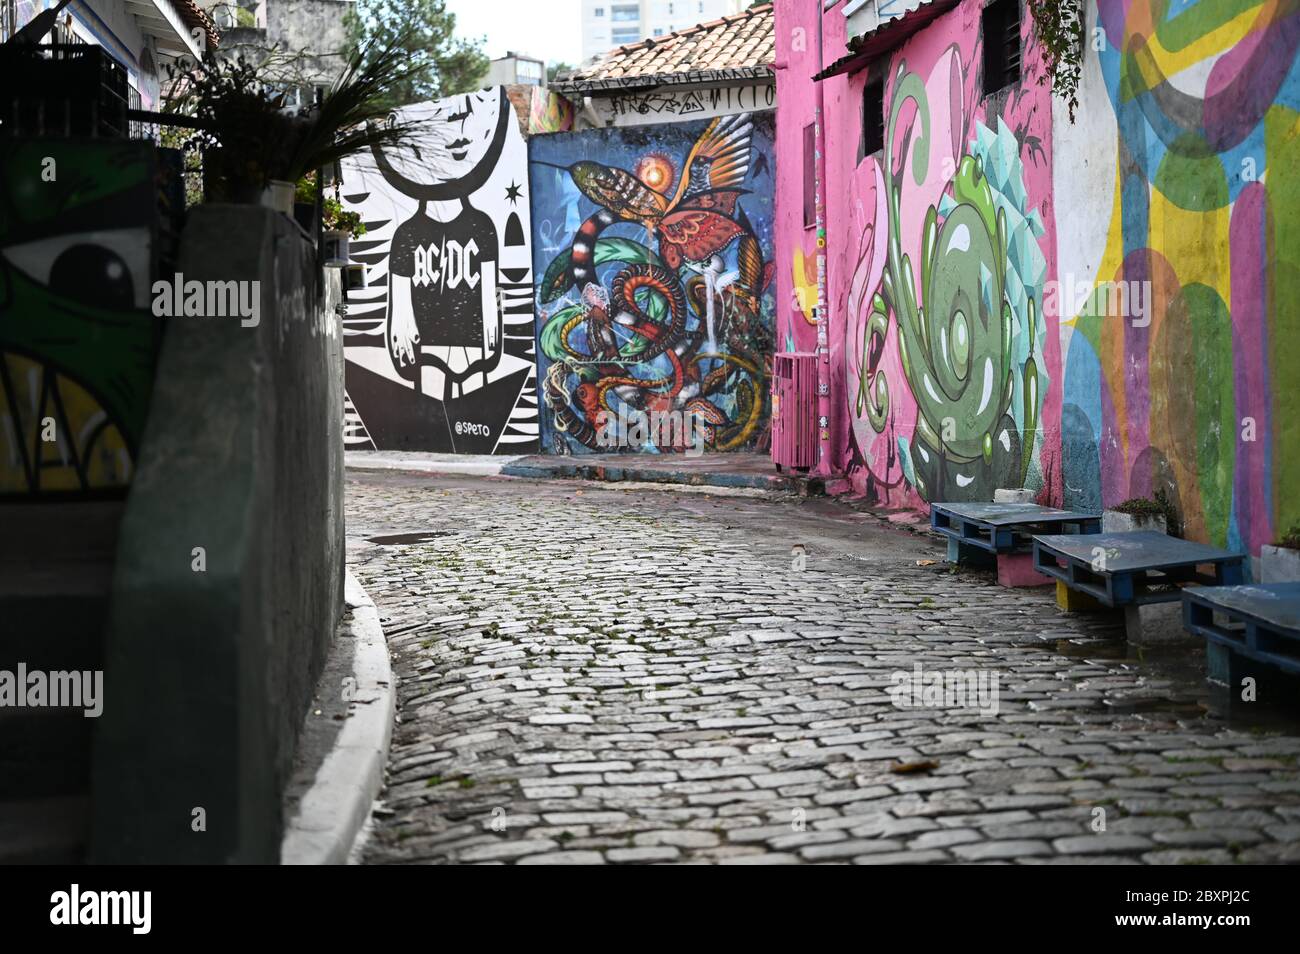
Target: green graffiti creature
(77,342)
(968,347)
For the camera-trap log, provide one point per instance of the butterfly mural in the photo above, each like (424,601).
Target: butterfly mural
(692,221)
(658,298)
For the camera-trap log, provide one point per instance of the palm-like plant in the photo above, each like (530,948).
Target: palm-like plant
(249,137)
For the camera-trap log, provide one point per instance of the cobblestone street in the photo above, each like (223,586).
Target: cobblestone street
(593,674)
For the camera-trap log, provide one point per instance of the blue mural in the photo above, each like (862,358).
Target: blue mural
(656,305)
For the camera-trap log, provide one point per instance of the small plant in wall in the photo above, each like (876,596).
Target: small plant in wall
(335,218)
(1280,563)
(1144,513)
(1059,25)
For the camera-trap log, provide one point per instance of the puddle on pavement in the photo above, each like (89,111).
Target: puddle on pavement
(1183,691)
(1093,649)
(396,539)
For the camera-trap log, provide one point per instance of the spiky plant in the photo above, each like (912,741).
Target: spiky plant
(247,135)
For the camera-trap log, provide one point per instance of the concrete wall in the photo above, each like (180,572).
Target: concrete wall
(314,27)
(209,669)
(1151,358)
(313,30)
(109,24)
(635,263)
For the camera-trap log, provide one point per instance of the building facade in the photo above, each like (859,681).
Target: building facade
(610,23)
(141,38)
(516,69)
(1002,295)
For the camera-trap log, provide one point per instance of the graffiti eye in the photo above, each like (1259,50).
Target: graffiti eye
(108,269)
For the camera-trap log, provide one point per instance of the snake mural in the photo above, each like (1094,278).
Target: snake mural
(946,343)
(655,300)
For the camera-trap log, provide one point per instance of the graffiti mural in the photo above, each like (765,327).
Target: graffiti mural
(655,253)
(946,349)
(548,112)
(77,340)
(1191,136)
(438,345)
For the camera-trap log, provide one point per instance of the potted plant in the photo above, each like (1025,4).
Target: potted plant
(304,203)
(339,225)
(1280,562)
(1142,513)
(256,148)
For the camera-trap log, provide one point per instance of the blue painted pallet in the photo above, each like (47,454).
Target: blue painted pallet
(1262,621)
(1005,527)
(1124,569)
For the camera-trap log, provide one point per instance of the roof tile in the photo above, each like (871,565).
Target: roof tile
(743,40)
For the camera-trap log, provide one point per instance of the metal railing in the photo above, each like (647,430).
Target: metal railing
(62,89)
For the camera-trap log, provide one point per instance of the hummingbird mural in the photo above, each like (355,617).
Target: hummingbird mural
(692,222)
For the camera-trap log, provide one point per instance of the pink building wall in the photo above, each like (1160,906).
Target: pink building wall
(977,406)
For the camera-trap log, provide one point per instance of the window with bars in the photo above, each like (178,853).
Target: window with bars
(873,117)
(1000,25)
(810,175)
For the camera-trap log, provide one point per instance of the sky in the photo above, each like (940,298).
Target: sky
(547,29)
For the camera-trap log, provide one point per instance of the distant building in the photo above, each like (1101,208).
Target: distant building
(610,23)
(705,70)
(516,69)
(311,33)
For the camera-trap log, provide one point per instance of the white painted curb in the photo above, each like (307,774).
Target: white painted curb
(464,465)
(337,805)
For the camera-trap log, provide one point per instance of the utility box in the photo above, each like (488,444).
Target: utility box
(794,411)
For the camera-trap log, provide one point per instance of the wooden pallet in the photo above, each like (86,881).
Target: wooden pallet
(1262,621)
(1133,569)
(1005,527)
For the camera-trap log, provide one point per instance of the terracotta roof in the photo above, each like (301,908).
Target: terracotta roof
(195,16)
(738,47)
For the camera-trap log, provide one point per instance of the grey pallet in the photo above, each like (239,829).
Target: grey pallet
(1262,621)
(1005,527)
(1133,565)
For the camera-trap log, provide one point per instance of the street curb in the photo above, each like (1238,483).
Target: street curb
(339,801)
(776,483)
(472,466)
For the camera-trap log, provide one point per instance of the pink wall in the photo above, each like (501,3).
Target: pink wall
(980,408)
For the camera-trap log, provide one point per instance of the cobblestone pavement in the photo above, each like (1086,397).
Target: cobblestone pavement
(590,674)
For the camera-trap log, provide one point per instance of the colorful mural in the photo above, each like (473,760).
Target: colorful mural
(655,247)
(1188,149)
(77,340)
(949,359)
(548,112)
(438,345)
(1144,348)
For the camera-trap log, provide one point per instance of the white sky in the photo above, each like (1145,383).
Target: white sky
(547,29)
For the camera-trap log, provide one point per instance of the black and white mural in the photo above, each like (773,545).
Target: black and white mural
(439,344)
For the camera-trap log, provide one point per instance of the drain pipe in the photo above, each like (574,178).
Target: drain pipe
(823,305)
